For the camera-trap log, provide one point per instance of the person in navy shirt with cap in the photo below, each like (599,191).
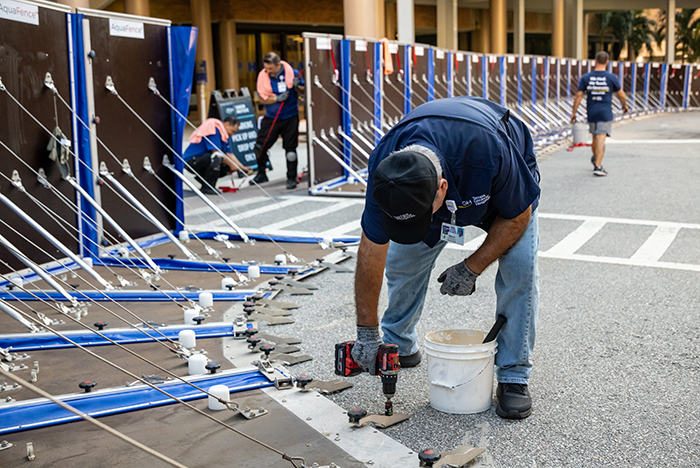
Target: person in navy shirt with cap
(452,163)
(599,86)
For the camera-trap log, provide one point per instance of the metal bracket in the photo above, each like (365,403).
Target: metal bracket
(11,367)
(247,412)
(48,82)
(109,84)
(241,325)
(8,356)
(329,387)
(126,167)
(166,161)
(49,321)
(147,165)
(152,86)
(78,309)
(125,282)
(2,86)
(30,451)
(275,374)
(212,251)
(381,421)
(41,177)
(17,180)
(4,387)
(458,457)
(224,239)
(34,376)
(103,169)
(4,445)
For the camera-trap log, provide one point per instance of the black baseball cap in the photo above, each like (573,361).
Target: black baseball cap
(405,184)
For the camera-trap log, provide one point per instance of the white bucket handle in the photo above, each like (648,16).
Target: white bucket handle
(452,387)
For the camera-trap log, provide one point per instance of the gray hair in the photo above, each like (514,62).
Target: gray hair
(428,153)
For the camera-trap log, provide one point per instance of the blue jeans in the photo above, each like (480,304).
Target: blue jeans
(408,270)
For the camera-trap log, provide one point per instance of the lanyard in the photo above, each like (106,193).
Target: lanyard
(452,207)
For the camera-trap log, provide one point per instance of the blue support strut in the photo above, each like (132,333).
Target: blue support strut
(407,79)
(33,414)
(378,78)
(345,83)
(23,342)
(431,74)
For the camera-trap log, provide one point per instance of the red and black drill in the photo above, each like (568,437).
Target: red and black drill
(387,368)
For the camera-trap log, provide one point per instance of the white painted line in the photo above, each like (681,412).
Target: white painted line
(648,142)
(471,245)
(640,222)
(656,245)
(310,215)
(225,206)
(342,229)
(246,214)
(623,261)
(575,240)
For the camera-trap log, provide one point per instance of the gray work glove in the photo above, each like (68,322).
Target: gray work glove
(282,97)
(366,348)
(458,280)
(296,82)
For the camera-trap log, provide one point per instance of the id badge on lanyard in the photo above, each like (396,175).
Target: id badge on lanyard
(281,86)
(450,231)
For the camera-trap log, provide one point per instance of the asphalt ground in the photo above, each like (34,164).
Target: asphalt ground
(617,359)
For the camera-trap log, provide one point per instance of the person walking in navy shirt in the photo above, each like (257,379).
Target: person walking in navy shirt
(599,85)
(451,163)
(278,86)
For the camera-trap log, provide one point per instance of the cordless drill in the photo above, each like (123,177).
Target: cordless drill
(387,368)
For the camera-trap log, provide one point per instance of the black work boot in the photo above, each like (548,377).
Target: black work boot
(514,401)
(410,361)
(261,178)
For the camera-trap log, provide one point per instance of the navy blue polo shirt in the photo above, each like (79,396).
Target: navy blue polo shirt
(599,86)
(291,105)
(487,159)
(207,145)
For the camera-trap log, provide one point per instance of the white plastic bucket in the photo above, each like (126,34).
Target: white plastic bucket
(460,370)
(580,133)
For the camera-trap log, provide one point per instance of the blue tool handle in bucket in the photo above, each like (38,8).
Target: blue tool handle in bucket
(500,321)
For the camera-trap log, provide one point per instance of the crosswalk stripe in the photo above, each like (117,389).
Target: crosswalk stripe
(575,240)
(656,244)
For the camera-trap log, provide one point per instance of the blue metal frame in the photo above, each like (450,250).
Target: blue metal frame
(345,83)
(546,82)
(633,88)
(485,77)
(568,80)
(128,296)
(407,79)
(503,70)
(378,77)
(23,342)
(88,218)
(33,414)
(647,77)
(181,46)
(664,84)
(431,74)
(686,86)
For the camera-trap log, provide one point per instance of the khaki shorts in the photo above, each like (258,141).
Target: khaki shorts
(600,128)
